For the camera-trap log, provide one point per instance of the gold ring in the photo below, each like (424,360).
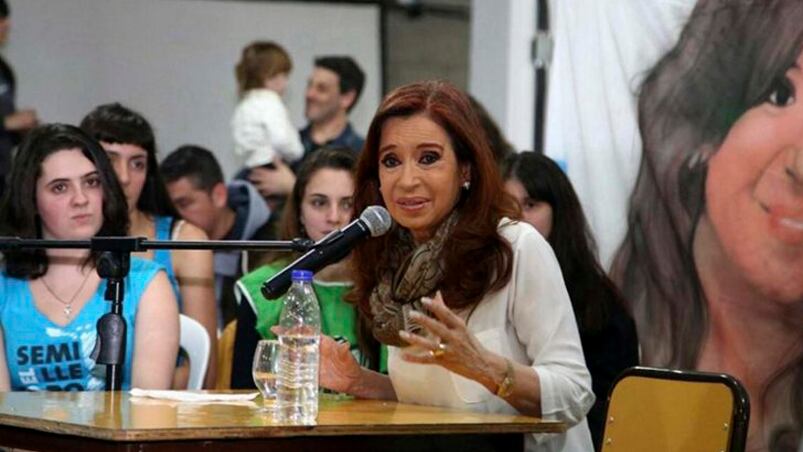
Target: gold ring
(438,352)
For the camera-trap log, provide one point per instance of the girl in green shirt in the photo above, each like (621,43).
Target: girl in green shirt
(321,201)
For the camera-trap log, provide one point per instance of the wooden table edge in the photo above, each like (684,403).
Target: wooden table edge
(283,431)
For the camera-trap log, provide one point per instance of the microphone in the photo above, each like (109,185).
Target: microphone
(374,221)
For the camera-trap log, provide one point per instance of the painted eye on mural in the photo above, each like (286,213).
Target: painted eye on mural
(782,93)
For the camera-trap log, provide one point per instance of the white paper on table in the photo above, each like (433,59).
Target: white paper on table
(189,396)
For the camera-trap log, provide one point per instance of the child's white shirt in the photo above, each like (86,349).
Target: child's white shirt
(262,129)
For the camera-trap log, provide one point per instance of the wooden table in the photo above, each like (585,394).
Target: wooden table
(63,421)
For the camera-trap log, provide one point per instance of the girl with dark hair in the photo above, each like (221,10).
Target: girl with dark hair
(130,144)
(713,259)
(607,331)
(321,201)
(50,300)
(502,337)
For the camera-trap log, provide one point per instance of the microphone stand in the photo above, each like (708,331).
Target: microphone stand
(113,265)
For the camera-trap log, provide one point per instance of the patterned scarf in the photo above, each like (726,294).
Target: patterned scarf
(413,272)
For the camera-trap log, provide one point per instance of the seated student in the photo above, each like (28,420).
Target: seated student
(607,330)
(131,146)
(195,184)
(50,300)
(321,202)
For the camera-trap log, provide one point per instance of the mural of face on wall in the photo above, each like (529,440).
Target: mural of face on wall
(754,193)
(713,259)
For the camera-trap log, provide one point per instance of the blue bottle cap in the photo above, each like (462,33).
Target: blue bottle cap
(301,275)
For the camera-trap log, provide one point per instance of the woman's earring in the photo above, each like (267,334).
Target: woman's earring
(466,185)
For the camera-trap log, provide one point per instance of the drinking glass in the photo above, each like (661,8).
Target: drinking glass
(265,370)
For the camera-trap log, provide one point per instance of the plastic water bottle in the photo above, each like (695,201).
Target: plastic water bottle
(299,353)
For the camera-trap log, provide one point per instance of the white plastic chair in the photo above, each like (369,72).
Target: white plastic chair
(195,341)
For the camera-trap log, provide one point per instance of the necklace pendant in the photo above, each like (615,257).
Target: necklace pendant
(68,311)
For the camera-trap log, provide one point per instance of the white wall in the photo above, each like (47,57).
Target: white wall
(602,52)
(173,60)
(501,71)
(429,46)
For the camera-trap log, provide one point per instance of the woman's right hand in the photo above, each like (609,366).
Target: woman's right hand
(339,370)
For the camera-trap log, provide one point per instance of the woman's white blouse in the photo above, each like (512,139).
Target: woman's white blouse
(530,321)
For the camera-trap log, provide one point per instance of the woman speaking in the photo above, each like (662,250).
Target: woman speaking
(471,303)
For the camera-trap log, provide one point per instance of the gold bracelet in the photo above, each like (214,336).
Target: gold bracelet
(506,387)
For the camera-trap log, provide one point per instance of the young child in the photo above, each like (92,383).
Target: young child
(261,124)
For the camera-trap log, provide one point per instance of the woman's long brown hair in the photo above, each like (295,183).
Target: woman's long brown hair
(475,238)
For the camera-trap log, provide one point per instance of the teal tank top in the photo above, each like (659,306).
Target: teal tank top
(163,226)
(43,356)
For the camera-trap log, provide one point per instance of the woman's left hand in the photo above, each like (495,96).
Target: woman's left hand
(457,350)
